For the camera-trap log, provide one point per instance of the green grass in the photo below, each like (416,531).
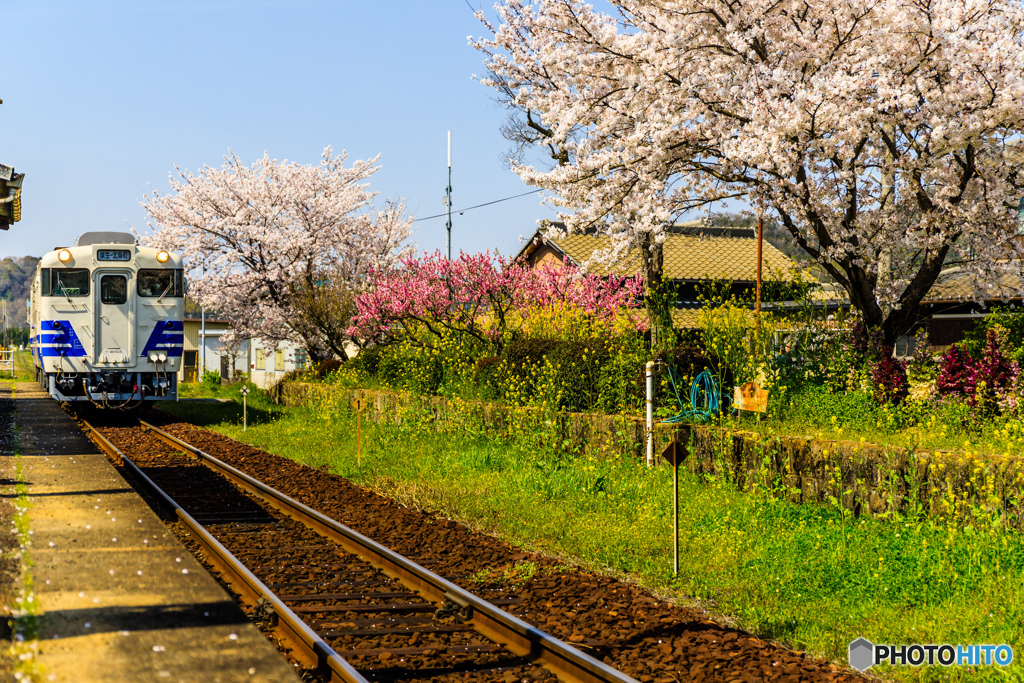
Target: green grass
(809,576)
(24,371)
(950,425)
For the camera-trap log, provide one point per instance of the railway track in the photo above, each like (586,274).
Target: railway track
(342,605)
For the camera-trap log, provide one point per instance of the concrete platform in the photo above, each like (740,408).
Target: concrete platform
(121,598)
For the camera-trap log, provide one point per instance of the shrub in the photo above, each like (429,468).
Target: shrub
(819,404)
(889,380)
(956,372)
(1007,320)
(571,369)
(994,373)
(994,368)
(867,342)
(327,367)
(211,378)
(922,366)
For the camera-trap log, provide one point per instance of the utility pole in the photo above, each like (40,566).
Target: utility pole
(760,238)
(202,333)
(448,197)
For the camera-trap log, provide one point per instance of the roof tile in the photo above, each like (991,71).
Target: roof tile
(687,257)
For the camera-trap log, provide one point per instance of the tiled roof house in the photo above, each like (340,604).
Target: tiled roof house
(692,254)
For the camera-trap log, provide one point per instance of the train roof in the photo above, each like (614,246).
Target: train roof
(89,238)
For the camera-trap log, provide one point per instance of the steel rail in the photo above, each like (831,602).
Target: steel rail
(520,638)
(306,646)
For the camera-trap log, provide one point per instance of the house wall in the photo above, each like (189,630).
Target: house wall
(545,256)
(267,370)
(192,366)
(949,323)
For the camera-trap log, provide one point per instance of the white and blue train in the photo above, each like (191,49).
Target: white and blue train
(107,321)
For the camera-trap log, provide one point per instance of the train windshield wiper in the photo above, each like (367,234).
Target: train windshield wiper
(169,285)
(64,291)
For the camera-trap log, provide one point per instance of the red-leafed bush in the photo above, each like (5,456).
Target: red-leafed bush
(956,372)
(889,378)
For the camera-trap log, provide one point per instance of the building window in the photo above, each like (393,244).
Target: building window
(279,360)
(261,359)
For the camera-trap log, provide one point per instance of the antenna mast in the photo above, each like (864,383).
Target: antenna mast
(448,197)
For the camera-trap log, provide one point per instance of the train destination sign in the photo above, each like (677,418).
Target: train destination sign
(114,255)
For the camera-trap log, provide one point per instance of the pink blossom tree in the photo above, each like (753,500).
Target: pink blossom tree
(474,294)
(880,134)
(274,246)
(604,297)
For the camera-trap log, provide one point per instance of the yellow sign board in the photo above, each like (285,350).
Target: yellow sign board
(750,397)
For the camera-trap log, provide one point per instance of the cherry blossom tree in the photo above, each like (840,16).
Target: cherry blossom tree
(879,134)
(474,294)
(271,244)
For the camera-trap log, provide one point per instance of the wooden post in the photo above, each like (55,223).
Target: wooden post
(358,405)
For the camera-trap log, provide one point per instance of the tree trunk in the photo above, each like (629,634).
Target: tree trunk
(657,297)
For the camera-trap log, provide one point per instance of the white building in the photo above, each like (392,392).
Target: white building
(266,367)
(206,352)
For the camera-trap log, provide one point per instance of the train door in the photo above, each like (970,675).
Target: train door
(115,323)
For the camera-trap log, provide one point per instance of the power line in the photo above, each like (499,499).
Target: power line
(461,211)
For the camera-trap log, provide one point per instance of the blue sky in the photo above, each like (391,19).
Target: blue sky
(102,99)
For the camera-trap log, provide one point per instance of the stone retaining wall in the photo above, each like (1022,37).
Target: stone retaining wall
(865,478)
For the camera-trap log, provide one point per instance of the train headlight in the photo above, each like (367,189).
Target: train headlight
(153,357)
(64,255)
(162,256)
(163,357)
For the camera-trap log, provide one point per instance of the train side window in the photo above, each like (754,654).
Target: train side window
(65,282)
(159,282)
(113,289)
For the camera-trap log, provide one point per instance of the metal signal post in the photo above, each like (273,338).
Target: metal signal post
(674,454)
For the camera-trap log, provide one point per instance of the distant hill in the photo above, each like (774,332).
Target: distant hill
(15,283)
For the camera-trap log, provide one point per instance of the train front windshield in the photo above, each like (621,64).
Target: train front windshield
(160,282)
(65,282)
